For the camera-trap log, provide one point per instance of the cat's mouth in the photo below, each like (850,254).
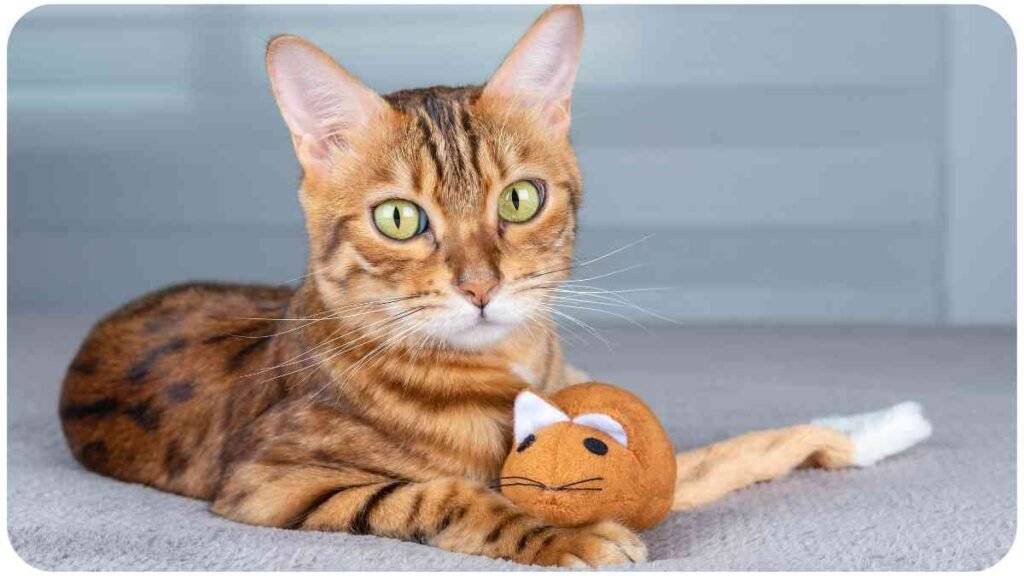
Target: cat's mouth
(585,485)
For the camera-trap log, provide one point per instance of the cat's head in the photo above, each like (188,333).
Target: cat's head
(454,209)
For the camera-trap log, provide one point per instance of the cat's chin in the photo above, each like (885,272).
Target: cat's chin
(481,335)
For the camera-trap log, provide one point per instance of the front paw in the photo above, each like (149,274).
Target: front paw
(600,544)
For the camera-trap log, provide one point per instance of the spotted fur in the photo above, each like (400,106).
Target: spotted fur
(331,406)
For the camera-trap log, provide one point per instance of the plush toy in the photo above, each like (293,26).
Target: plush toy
(596,452)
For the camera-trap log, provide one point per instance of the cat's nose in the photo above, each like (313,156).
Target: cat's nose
(478,291)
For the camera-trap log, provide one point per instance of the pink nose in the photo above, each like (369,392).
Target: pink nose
(478,292)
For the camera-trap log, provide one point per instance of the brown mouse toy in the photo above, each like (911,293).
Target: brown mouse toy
(595,452)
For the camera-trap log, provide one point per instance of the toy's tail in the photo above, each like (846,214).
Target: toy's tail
(708,473)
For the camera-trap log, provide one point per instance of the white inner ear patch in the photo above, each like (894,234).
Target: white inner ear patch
(604,423)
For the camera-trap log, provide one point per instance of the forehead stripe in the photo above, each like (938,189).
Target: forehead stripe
(428,139)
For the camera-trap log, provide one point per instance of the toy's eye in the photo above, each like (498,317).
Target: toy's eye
(526,443)
(595,446)
(520,201)
(399,219)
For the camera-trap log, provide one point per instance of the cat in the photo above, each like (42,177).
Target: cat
(376,397)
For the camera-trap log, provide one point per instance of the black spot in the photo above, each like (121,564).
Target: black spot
(167,319)
(174,460)
(256,328)
(526,443)
(84,367)
(143,413)
(141,369)
(181,391)
(238,360)
(595,446)
(94,455)
(100,407)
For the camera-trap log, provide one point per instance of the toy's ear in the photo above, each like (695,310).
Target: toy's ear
(533,413)
(604,423)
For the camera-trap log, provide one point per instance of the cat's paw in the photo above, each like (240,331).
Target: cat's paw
(600,544)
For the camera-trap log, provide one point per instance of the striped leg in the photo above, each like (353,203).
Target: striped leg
(451,513)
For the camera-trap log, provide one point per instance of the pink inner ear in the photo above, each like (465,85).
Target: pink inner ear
(532,413)
(320,101)
(605,424)
(540,71)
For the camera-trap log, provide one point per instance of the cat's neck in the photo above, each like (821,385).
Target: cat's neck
(459,400)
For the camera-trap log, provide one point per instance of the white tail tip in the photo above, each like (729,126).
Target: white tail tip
(878,435)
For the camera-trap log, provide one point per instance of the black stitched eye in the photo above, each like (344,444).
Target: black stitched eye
(526,443)
(595,446)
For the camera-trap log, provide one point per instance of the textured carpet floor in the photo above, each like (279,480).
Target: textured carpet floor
(947,504)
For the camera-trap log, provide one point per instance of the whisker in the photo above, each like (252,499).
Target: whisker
(594,479)
(587,262)
(608,312)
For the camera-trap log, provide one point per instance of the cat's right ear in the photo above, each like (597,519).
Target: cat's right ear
(323,105)
(540,71)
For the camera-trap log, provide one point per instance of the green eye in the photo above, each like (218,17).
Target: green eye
(520,201)
(399,219)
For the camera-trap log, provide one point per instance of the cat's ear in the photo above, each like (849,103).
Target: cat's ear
(321,102)
(540,70)
(531,413)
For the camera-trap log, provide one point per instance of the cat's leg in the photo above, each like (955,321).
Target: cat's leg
(708,473)
(451,513)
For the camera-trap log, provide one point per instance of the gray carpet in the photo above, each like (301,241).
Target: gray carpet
(947,504)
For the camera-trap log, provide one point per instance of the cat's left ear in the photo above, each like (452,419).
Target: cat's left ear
(540,70)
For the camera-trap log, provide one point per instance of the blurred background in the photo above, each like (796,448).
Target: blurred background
(794,164)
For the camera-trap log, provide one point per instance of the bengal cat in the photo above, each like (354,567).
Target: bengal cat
(376,397)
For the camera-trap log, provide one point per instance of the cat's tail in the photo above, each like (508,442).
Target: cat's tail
(706,474)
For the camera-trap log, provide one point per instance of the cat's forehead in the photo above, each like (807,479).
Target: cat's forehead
(445,140)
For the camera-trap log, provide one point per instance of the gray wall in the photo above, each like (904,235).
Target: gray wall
(822,164)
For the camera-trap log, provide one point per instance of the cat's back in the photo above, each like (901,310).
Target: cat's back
(145,398)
